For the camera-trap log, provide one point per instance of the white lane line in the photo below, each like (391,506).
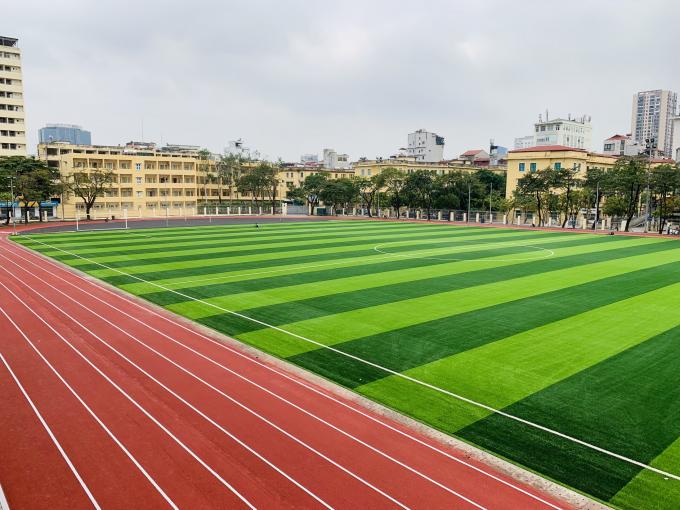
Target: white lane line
(3,502)
(271,369)
(244,378)
(400,375)
(129,398)
(173,393)
(82,402)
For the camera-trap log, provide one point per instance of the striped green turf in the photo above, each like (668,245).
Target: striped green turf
(578,333)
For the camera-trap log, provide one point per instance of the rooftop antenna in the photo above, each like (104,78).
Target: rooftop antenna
(546,115)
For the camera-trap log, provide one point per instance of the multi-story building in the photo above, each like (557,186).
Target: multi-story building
(675,148)
(408,165)
(651,118)
(621,145)
(309,158)
(147,180)
(333,160)
(425,146)
(576,133)
(523,161)
(524,142)
(12,114)
(69,133)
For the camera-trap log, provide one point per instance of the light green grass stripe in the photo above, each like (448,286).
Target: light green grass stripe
(649,486)
(112,254)
(244,301)
(503,372)
(124,245)
(368,321)
(401,275)
(266,256)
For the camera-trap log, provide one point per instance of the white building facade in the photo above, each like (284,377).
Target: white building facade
(426,146)
(675,147)
(621,145)
(332,160)
(576,133)
(524,142)
(12,115)
(652,115)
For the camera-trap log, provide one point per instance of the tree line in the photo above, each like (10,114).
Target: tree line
(618,192)
(399,190)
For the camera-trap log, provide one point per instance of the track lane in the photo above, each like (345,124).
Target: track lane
(304,408)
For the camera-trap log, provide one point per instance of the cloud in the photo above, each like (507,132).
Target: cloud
(295,76)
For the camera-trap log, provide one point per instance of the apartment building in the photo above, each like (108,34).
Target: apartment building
(569,132)
(148,180)
(651,118)
(425,146)
(70,133)
(12,115)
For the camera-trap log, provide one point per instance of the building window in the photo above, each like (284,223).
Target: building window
(558,166)
(139,180)
(521,167)
(138,166)
(532,167)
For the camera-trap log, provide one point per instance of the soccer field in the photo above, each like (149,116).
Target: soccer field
(558,351)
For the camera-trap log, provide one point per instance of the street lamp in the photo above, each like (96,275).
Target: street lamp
(650,143)
(14,221)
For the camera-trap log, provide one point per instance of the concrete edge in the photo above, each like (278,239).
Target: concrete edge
(514,471)
(4,505)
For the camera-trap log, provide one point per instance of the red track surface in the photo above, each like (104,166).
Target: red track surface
(109,403)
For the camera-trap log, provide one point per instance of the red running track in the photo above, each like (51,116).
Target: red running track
(108,403)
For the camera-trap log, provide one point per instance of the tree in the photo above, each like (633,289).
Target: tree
(595,183)
(206,168)
(664,182)
(339,192)
(88,186)
(228,171)
(312,188)
(536,185)
(34,181)
(421,187)
(260,182)
(565,180)
(368,187)
(394,181)
(626,180)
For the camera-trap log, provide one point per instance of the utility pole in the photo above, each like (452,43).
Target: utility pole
(469,195)
(14,220)
(651,145)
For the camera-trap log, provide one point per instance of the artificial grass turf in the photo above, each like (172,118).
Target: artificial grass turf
(448,322)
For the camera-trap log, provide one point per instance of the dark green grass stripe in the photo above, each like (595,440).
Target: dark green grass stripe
(100,240)
(138,244)
(628,404)
(341,302)
(319,241)
(417,345)
(220,254)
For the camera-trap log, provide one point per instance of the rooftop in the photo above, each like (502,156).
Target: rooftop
(548,148)
(472,152)
(8,41)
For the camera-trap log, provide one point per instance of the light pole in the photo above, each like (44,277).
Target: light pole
(651,145)
(469,196)
(14,220)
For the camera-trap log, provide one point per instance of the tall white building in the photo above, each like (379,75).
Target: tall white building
(12,116)
(524,142)
(653,111)
(426,146)
(576,133)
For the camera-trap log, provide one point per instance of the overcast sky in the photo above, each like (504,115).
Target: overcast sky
(292,77)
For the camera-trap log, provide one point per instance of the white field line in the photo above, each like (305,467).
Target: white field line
(188,404)
(297,381)
(131,400)
(82,402)
(3,502)
(391,372)
(242,377)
